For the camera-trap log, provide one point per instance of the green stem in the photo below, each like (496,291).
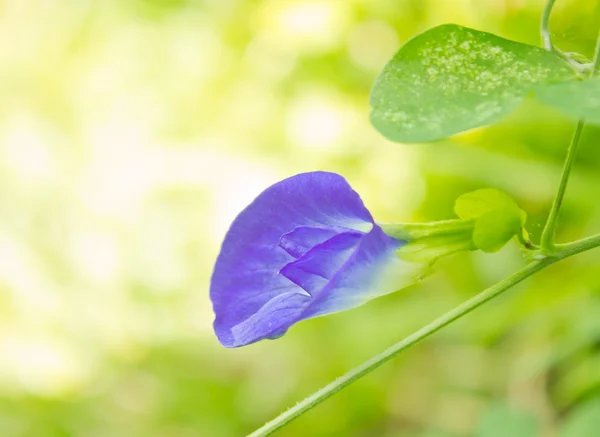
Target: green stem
(414,231)
(562,251)
(545,25)
(596,61)
(407,342)
(547,241)
(575,247)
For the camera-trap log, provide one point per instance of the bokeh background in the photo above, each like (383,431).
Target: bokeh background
(133,131)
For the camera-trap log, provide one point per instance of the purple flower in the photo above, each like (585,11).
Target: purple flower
(305,247)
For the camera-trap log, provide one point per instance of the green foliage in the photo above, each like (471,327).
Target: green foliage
(579,99)
(503,421)
(583,422)
(497,217)
(452,78)
(128,143)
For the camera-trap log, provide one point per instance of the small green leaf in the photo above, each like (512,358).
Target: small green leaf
(497,217)
(580,99)
(452,78)
(477,203)
(583,422)
(502,421)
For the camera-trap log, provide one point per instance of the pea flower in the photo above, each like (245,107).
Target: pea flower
(305,247)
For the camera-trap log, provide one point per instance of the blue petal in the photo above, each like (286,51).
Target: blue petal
(272,320)
(371,271)
(252,300)
(314,270)
(303,238)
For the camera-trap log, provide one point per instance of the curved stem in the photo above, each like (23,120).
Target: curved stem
(545,25)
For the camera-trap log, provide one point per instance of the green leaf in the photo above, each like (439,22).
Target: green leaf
(497,217)
(502,421)
(452,78)
(583,422)
(479,202)
(579,99)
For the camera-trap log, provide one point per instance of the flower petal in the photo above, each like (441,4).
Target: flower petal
(303,238)
(313,271)
(371,271)
(272,320)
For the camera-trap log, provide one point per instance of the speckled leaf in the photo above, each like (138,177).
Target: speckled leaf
(579,99)
(451,78)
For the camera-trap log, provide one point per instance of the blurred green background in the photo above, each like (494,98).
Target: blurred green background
(133,131)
